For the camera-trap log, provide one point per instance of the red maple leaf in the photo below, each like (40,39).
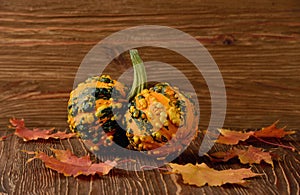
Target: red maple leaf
(27,134)
(250,155)
(272,131)
(231,137)
(70,165)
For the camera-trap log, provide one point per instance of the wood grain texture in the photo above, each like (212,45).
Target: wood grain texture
(256,45)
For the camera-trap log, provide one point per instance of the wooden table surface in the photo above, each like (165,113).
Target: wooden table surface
(256,45)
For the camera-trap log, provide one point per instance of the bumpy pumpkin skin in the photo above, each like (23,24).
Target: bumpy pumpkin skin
(160,116)
(94,108)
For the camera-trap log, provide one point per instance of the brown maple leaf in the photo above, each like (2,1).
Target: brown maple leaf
(70,165)
(231,137)
(27,134)
(201,174)
(250,155)
(272,131)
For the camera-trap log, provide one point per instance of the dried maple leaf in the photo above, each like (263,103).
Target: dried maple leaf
(231,137)
(272,131)
(27,134)
(201,174)
(70,165)
(250,155)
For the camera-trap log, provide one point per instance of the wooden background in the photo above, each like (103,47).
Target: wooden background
(42,43)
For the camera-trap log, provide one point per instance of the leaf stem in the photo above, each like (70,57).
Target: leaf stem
(5,137)
(274,144)
(140,77)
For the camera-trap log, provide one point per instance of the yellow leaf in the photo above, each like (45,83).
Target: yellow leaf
(201,174)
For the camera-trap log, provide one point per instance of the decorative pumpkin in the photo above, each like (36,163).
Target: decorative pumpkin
(94,107)
(157,118)
(158,115)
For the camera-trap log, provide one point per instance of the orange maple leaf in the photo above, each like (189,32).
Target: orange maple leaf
(272,131)
(27,134)
(70,165)
(231,137)
(201,174)
(250,155)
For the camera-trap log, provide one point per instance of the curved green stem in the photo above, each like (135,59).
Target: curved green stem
(140,76)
